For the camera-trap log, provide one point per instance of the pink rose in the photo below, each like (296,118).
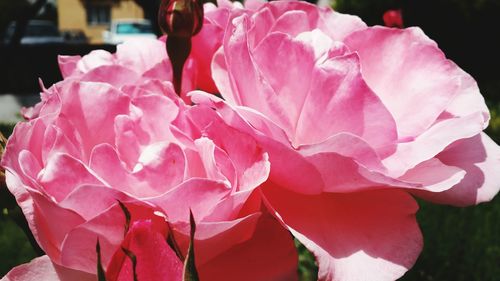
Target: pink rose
(355,120)
(94,143)
(209,40)
(206,43)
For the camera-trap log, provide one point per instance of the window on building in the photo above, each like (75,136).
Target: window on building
(98,14)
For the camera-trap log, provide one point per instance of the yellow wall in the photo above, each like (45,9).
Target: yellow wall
(126,9)
(72,15)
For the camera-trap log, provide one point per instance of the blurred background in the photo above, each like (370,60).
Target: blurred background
(460,243)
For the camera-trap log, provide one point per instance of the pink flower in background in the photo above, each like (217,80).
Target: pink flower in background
(393,18)
(92,144)
(355,119)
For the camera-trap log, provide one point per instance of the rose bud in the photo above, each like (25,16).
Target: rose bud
(180,20)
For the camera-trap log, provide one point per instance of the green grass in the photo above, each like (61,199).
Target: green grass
(493,129)
(14,246)
(460,244)
(6,128)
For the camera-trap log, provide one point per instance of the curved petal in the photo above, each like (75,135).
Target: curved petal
(433,176)
(479,156)
(215,169)
(151,87)
(93,60)
(62,174)
(220,75)
(269,255)
(254,4)
(42,268)
(155,259)
(246,80)
(347,145)
(59,139)
(67,64)
(370,235)
(340,101)
(50,236)
(280,60)
(291,22)
(196,194)
(284,158)
(141,54)
(156,108)
(29,135)
(346,164)
(299,99)
(159,168)
(409,73)
(248,158)
(78,249)
(206,43)
(262,124)
(102,198)
(162,166)
(215,238)
(82,105)
(115,75)
(30,167)
(468,101)
(432,141)
(338,26)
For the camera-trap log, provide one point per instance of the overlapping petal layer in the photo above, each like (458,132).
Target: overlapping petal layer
(349,111)
(95,142)
(325,130)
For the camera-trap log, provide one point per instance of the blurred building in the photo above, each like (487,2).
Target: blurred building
(94,16)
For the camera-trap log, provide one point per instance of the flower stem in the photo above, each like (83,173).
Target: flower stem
(178,49)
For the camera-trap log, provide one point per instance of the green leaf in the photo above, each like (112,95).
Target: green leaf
(101,276)
(190,272)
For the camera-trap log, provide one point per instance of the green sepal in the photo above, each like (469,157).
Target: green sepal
(126,212)
(101,276)
(133,258)
(173,243)
(190,273)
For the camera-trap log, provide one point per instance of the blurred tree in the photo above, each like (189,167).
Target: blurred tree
(466,30)
(150,8)
(9,10)
(49,12)
(370,11)
(20,11)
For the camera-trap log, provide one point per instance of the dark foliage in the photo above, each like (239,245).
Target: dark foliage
(466,30)
(23,65)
